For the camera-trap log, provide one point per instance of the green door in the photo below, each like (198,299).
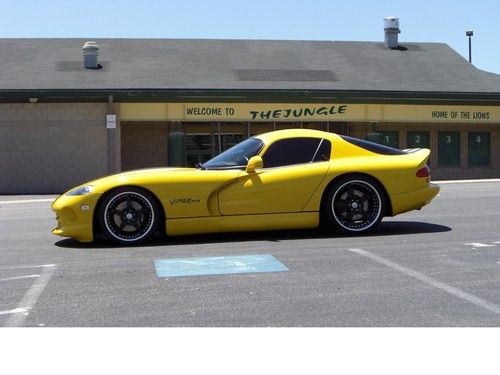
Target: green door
(418,139)
(449,149)
(479,149)
(176,148)
(388,138)
(391,139)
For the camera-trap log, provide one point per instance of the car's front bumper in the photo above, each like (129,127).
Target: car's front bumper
(74,215)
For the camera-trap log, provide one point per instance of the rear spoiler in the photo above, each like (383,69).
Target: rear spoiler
(412,150)
(420,155)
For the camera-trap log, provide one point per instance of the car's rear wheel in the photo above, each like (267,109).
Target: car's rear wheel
(354,205)
(129,215)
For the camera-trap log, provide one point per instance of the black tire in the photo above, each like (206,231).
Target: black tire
(129,216)
(354,205)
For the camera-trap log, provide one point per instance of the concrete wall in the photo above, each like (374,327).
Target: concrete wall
(48,148)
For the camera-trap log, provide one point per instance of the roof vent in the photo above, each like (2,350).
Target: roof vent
(391,29)
(90,52)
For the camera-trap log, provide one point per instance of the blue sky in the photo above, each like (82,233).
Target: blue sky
(420,21)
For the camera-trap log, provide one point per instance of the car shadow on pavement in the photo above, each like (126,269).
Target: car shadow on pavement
(386,228)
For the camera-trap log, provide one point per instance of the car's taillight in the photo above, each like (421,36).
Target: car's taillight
(424,172)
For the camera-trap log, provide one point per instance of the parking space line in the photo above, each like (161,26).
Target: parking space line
(19,277)
(14,311)
(466,181)
(29,201)
(31,297)
(431,281)
(19,267)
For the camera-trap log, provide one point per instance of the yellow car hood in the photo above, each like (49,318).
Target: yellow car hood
(145,177)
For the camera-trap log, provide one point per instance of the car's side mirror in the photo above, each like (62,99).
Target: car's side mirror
(254,163)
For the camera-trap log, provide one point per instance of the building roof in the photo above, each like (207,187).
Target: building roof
(320,69)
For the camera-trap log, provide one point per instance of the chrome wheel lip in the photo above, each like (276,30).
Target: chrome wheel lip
(112,230)
(341,221)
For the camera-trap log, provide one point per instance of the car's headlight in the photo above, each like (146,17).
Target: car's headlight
(81,190)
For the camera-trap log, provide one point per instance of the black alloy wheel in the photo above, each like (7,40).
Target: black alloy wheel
(354,205)
(129,215)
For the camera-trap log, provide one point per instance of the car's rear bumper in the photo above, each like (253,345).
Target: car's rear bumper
(413,200)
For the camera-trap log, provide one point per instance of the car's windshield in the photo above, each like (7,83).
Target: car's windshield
(235,157)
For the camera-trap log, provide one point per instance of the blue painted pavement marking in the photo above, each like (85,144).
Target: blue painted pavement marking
(218,265)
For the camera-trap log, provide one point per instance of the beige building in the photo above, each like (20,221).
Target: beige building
(143,103)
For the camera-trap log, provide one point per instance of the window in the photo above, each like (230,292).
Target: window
(449,149)
(296,151)
(235,157)
(479,149)
(199,148)
(228,141)
(323,152)
(372,146)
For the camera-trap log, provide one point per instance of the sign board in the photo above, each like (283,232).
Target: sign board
(282,112)
(110,121)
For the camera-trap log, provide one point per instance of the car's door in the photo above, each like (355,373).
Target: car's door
(293,169)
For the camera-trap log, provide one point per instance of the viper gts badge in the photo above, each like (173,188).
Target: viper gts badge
(183,201)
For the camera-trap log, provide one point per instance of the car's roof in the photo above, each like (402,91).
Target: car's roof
(292,133)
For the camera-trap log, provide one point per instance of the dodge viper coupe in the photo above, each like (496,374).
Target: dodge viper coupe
(286,179)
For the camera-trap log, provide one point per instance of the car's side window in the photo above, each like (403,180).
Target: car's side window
(323,152)
(296,151)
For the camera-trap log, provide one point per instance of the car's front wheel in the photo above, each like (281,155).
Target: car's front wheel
(354,205)
(129,215)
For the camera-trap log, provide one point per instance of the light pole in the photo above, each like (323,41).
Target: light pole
(469,33)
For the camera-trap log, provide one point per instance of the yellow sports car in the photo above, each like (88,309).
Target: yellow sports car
(285,179)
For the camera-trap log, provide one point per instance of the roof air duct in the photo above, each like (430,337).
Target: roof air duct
(391,29)
(90,52)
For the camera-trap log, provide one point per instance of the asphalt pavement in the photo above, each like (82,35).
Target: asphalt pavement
(436,267)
